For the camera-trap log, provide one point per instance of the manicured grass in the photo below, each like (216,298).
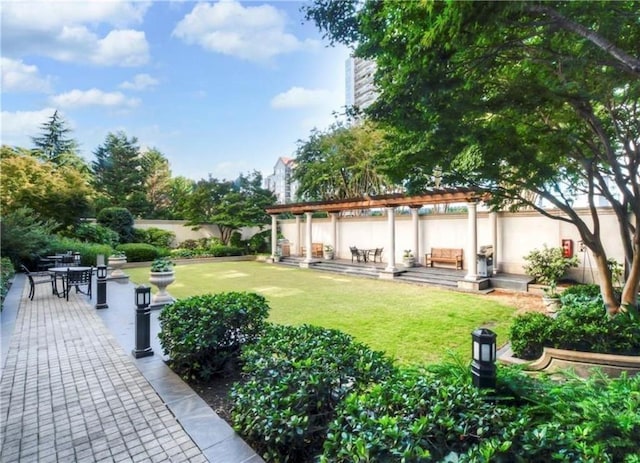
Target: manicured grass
(411,323)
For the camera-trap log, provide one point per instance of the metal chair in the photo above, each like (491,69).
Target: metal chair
(355,252)
(377,254)
(68,260)
(37,279)
(77,278)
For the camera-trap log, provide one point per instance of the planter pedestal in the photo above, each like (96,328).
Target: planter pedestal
(161,280)
(116,264)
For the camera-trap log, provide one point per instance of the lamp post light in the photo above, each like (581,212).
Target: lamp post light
(101,286)
(483,366)
(143,326)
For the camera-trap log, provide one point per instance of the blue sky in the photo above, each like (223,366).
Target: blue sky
(220,88)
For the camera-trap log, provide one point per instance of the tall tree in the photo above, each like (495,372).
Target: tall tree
(513,97)
(119,173)
(342,162)
(157,184)
(229,205)
(180,188)
(56,193)
(54,144)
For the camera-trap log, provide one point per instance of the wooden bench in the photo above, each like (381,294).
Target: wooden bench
(317,250)
(444,255)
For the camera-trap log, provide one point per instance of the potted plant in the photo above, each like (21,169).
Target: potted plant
(408,259)
(548,265)
(328,252)
(161,275)
(116,261)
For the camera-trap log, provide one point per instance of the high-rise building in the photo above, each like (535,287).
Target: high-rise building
(359,85)
(281,182)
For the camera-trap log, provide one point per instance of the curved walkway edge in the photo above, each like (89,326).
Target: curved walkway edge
(70,390)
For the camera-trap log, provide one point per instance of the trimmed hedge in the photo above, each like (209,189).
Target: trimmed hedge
(201,334)
(295,379)
(139,252)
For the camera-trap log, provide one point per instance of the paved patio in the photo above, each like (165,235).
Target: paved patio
(70,389)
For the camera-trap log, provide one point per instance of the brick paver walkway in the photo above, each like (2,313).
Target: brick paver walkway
(70,393)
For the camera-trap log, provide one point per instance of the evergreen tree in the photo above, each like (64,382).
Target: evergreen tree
(55,146)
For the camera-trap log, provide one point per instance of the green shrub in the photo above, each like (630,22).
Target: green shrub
(24,236)
(89,252)
(201,333)
(295,379)
(159,237)
(7,272)
(139,252)
(183,253)
(582,325)
(528,335)
(220,250)
(118,219)
(413,416)
(260,242)
(189,244)
(548,265)
(96,233)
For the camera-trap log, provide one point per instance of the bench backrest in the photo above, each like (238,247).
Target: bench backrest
(447,253)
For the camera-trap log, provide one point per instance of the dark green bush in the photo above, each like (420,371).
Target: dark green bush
(413,416)
(295,379)
(89,252)
(189,244)
(96,233)
(159,237)
(582,324)
(260,242)
(528,335)
(220,250)
(118,219)
(139,252)
(201,333)
(183,253)
(6,274)
(24,236)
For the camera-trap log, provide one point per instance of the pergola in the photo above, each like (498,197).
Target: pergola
(390,202)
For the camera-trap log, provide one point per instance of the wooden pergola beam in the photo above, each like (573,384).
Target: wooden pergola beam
(435,196)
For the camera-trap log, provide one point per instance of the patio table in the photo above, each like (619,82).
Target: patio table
(61,272)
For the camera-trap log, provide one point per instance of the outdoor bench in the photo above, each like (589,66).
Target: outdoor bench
(316,250)
(444,255)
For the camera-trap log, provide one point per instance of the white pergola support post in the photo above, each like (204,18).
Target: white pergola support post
(309,257)
(472,241)
(298,235)
(416,233)
(391,226)
(334,232)
(274,235)
(493,223)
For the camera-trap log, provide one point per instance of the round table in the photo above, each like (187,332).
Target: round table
(61,272)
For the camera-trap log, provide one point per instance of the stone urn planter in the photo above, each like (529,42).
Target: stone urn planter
(551,303)
(328,252)
(408,260)
(161,276)
(116,262)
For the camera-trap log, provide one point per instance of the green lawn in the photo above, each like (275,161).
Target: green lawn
(411,323)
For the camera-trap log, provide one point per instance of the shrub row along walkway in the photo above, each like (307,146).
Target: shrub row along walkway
(70,392)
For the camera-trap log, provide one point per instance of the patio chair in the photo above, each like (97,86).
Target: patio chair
(377,254)
(37,279)
(68,260)
(355,252)
(77,278)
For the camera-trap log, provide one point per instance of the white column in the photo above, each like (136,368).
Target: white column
(274,234)
(391,225)
(298,235)
(334,233)
(472,242)
(493,223)
(416,233)
(309,256)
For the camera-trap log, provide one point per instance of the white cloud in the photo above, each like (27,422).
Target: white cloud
(18,126)
(66,31)
(298,97)
(253,33)
(20,77)
(140,82)
(93,97)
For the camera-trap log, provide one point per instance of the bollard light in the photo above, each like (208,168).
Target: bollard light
(483,366)
(143,322)
(143,296)
(101,286)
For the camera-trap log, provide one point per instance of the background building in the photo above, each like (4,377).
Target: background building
(359,86)
(281,182)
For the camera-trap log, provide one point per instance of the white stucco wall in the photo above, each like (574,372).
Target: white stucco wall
(518,234)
